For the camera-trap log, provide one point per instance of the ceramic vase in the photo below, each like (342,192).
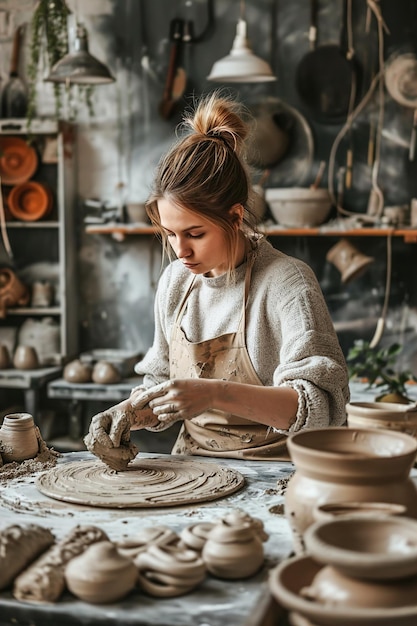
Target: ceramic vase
(25,358)
(18,437)
(349,465)
(101,574)
(234,548)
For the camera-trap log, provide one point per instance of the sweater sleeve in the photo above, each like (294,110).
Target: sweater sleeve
(312,363)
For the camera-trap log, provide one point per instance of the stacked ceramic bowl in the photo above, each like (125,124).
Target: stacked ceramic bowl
(28,200)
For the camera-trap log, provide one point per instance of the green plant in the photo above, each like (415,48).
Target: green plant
(49,43)
(377,367)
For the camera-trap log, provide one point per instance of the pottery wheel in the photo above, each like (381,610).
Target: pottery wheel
(146,483)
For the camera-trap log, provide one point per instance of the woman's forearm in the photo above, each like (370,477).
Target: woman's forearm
(273,406)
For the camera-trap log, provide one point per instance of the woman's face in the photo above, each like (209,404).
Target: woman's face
(198,243)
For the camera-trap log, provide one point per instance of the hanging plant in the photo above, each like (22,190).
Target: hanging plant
(49,42)
(48,45)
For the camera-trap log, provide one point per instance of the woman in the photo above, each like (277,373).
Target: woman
(244,350)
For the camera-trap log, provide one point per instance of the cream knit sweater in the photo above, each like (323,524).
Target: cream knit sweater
(289,332)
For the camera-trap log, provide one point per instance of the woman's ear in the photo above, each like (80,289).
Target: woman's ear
(236,214)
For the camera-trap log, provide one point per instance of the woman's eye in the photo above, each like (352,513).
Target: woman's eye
(191,236)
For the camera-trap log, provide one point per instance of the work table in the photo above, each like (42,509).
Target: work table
(214,603)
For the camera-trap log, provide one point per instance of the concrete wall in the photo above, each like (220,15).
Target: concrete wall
(120,145)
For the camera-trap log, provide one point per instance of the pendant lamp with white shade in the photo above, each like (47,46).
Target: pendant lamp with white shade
(241,65)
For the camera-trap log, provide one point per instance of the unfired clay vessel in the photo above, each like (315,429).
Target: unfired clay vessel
(101,574)
(195,535)
(18,437)
(5,358)
(331,510)
(291,584)
(169,570)
(77,372)
(389,415)
(352,465)
(105,373)
(234,547)
(25,358)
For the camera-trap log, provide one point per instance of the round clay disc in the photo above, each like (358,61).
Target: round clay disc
(150,482)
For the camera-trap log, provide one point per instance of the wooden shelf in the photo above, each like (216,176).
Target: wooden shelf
(408,234)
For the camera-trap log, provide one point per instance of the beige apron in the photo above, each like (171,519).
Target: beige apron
(215,433)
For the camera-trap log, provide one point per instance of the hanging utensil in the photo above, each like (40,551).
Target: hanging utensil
(175,79)
(14,97)
(327,77)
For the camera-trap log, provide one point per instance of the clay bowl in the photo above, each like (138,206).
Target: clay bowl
(390,415)
(289,580)
(359,449)
(18,160)
(331,510)
(299,207)
(30,201)
(371,547)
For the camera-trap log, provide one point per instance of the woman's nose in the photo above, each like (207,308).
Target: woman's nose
(183,249)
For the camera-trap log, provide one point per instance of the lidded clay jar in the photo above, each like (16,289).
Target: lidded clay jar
(233,548)
(349,465)
(101,574)
(18,438)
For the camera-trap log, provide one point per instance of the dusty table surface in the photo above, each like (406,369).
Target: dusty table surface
(215,603)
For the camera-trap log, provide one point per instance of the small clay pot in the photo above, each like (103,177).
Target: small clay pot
(100,574)
(105,373)
(233,548)
(77,372)
(18,437)
(5,358)
(26,358)
(12,291)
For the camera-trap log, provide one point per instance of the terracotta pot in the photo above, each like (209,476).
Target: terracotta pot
(26,358)
(353,465)
(30,201)
(18,437)
(12,291)
(389,415)
(18,160)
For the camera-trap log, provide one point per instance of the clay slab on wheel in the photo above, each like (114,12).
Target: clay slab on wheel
(150,482)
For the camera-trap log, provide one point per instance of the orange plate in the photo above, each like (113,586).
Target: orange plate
(18,160)
(30,201)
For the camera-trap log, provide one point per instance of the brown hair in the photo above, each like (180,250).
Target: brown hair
(205,171)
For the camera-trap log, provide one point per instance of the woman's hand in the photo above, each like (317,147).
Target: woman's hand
(178,399)
(109,432)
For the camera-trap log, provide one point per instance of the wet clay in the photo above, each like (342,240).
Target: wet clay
(168,571)
(234,546)
(157,535)
(44,580)
(19,546)
(150,482)
(101,574)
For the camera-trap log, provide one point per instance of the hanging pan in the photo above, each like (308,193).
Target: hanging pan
(327,77)
(401,84)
